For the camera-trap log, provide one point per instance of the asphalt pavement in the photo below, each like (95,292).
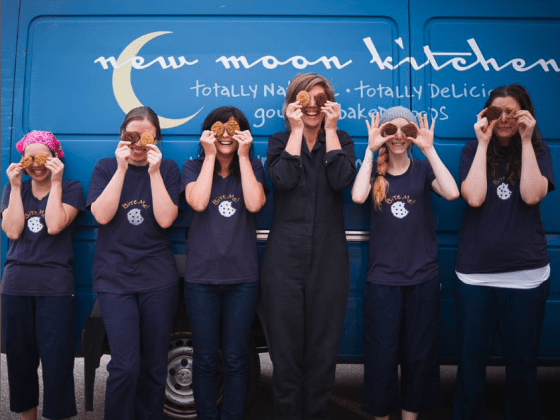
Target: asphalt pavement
(345,402)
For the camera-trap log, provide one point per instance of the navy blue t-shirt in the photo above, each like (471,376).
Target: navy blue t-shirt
(403,243)
(133,252)
(504,234)
(222,243)
(39,264)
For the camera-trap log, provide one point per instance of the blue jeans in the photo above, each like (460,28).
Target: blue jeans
(231,307)
(516,317)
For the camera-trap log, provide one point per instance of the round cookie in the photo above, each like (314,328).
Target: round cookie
(492,113)
(303,98)
(409,130)
(218,128)
(511,112)
(146,138)
(26,162)
(130,136)
(232,127)
(321,99)
(41,159)
(390,129)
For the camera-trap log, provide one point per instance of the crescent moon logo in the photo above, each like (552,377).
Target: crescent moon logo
(122,85)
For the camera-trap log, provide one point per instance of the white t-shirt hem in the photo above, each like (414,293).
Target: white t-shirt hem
(524,279)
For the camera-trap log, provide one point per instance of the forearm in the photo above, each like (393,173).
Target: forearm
(55,215)
(106,205)
(165,210)
(533,186)
(474,187)
(362,184)
(253,190)
(447,187)
(13,218)
(198,193)
(332,142)
(293,147)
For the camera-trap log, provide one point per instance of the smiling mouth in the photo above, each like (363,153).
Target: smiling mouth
(397,143)
(225,143)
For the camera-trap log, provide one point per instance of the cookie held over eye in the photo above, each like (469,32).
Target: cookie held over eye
(218,128)
(146,138)
(303,98)
(511,112)
(321,99)
(409,130)
(41,159)
(232,127)
(390,129)
(130,136)
(492,113)
(26,162)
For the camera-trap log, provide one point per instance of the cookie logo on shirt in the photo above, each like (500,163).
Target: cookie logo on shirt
(398,209)
(135,217)
(225,208)
(34,224)
(503,191)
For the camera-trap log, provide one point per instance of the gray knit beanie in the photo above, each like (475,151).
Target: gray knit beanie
(397,112)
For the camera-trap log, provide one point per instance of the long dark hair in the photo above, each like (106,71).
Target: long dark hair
(223,114)
(496,153)
(142,113)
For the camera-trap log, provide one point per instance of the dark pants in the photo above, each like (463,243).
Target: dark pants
(231,307)
(40,328)
(305,288)
(401,325)
(516,315)
(138,328)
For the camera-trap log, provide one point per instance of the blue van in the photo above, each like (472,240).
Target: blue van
(75,68)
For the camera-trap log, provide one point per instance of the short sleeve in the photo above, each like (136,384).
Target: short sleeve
(191,171)
(259,173)
(99,180)
(545,165)
(467,157)
(73,195)
(6,198)
(172,180)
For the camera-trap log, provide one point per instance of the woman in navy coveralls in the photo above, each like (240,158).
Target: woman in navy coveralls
(401,299)
(134,197)
(305,270)
(502,257)
(38,302)
(225,186)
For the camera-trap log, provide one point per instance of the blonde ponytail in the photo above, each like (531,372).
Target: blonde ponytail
(380,185)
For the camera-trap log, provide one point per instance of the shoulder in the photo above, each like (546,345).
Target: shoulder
(344,137)
(107,162)
(169,165)
(471,146)
(71,185)
(193,164)
(255,162)
(282,136)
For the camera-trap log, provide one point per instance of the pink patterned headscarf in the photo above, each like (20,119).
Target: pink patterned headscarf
(43,137)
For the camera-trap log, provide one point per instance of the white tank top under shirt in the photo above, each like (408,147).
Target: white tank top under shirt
(524,279)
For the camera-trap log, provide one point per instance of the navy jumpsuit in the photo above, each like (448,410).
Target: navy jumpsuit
(305,272)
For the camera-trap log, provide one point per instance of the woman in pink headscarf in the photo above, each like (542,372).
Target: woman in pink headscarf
(38,303)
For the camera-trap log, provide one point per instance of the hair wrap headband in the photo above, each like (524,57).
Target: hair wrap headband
(43,137)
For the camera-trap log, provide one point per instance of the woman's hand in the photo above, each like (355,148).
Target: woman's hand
(294,115)
(122,154)
(56,167)
(14,174)
(154,158)
(332,113)
(375,139)
(208,142)
(526,124)
(482,129)
(245,139)
(425,136)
